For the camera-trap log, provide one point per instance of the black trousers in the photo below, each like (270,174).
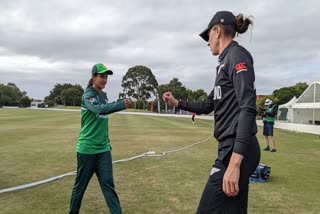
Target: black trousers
(214,200)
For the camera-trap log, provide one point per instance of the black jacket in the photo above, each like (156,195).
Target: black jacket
(233,98)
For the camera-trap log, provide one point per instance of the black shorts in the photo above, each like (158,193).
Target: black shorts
(213,199)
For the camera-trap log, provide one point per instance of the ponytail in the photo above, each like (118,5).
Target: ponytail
(90,83)
(242,23)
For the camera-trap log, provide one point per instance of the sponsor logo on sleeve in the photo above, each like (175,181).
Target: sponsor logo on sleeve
(240,67)
(91,100)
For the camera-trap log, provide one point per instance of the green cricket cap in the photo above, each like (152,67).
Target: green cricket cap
(100,69)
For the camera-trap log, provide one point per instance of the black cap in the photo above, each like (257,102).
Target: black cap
(221,18)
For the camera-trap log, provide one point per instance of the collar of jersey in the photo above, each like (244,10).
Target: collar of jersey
(225,51)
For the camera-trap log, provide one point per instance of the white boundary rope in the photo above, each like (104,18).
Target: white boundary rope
(147,154)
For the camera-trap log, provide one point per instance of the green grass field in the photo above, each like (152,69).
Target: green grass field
(39,144)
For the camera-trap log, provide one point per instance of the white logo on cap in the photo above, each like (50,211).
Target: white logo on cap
(222,20)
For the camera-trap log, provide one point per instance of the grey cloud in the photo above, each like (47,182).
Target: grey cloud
(162,35)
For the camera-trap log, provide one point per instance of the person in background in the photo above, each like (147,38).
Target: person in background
(233,100)
(93,147)
(193,116)
(268,118)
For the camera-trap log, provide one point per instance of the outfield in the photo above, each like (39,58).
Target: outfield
(36,145)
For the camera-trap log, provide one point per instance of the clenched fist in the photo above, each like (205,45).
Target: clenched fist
(168,98)
(127,103)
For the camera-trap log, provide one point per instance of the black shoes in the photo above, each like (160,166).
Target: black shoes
(268,149)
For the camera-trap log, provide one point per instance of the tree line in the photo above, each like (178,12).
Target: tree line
(65,94)
(140,85)
(10,95)
(284,94)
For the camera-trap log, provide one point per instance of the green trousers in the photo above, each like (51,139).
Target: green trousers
(101,164)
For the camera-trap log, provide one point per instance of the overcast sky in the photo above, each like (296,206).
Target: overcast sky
(47,42)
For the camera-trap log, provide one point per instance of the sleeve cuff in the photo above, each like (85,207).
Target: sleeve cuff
(182,104)
(240,148)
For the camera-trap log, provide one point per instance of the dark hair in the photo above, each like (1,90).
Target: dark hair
(242,23)
(90,83)
(241,26)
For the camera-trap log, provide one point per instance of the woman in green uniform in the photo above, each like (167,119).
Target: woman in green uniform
(93,148)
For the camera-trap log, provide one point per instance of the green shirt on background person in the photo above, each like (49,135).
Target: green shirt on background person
(270,114)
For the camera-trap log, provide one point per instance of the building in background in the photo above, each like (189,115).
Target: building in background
(38,104)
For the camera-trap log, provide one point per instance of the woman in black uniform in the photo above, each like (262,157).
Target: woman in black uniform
(233,100)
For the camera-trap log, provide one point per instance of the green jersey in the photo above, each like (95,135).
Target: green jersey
(270,114)
(94,135)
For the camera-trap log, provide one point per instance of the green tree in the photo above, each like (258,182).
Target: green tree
(2,88)
(198,95)
(285,94)
(299,88)
(139,83)
(10,95)
(25,102)
(55,96)
(72,96)
(177,89)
